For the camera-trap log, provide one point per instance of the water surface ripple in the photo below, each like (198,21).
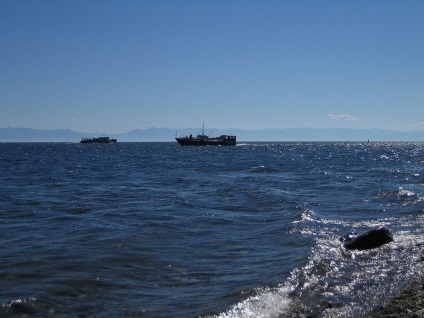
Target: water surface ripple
(158,230)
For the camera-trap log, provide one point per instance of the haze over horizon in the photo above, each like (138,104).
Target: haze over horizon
(113,66)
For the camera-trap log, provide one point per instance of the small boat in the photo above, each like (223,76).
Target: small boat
(204,140)
(99,140)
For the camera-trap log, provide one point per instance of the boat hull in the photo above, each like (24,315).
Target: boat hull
(224,140)
(100,140)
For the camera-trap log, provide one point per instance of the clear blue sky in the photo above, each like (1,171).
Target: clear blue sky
(113,66)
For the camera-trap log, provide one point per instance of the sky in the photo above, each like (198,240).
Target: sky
(114,66)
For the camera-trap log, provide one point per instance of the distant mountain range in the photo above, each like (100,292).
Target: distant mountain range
(167,134)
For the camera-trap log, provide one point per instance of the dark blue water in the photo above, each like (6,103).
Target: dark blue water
(158,230)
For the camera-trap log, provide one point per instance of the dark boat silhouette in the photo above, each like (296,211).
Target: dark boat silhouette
(98,140)
(204,140)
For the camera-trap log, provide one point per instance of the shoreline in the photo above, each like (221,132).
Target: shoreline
(409,304)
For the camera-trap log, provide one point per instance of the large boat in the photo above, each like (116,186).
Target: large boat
(99,140)
(204,140)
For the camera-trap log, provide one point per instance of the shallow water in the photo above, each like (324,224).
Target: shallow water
(158,230)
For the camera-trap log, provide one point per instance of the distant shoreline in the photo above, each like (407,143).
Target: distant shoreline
(258,135)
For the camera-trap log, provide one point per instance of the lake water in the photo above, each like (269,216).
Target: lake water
(158,230)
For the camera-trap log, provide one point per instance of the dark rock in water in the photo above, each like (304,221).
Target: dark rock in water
(22,307)
(371,239)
